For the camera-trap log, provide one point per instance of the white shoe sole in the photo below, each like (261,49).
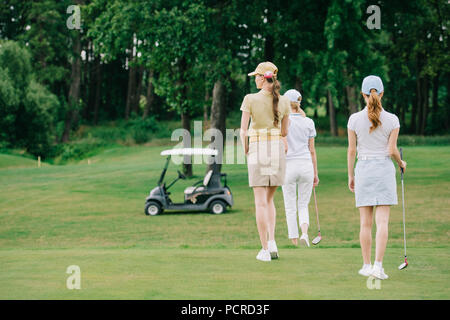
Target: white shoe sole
(364,274)
(264,260)
(379,277)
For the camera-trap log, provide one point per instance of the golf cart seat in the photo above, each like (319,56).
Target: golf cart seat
(196,187)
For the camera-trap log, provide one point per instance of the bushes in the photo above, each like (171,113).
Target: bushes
(403,140)
(134,131)
(77,150)
(27,108)
(90,140)
(423,140)
(140,129)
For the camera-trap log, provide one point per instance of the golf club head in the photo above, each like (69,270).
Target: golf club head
(403,265)
(316,240)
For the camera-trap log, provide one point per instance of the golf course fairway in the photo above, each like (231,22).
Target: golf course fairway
(92,216)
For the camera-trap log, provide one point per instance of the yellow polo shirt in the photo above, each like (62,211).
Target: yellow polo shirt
(259,105)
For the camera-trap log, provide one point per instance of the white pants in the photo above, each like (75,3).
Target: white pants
(299,173)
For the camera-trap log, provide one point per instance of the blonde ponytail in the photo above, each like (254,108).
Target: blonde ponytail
(374,109)
(295,106)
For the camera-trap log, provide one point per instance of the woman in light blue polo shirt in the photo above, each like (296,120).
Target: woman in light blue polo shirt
(372,134)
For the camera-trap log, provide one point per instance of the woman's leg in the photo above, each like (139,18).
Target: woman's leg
(365,234)
(272,213)
(262,219)
(382,221)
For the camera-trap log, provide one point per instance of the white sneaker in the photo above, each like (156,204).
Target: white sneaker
(365,271)
(304,240)
(263,255)
(272,247)
(378,273)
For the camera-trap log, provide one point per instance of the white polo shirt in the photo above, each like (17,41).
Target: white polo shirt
(373,144)
(301,129)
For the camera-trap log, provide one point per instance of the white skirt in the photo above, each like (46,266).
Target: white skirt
(375,183)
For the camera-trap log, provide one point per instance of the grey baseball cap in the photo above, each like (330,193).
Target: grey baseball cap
(372,82)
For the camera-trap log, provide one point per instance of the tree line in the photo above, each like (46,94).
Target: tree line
(179,59)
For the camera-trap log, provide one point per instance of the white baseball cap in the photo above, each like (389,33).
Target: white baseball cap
(372,82)
(292,95)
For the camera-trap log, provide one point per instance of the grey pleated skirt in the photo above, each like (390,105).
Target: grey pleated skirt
(375,183)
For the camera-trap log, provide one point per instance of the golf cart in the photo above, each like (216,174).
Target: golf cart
(207,194)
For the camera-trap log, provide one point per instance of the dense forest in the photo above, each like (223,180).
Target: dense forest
(65,63)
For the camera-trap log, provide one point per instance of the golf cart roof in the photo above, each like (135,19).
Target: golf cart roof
(189,151)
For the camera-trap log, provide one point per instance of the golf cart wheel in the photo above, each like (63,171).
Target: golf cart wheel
(218,207)
(152,208)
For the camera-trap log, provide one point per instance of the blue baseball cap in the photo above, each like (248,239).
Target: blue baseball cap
(292,95)
(372,82)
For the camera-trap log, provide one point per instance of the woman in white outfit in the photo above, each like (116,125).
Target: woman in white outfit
(301,169)
(373,133)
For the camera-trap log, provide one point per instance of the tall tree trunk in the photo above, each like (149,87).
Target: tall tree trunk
(205,108)
(419,94)
(269,50)
(187,162)
(185,118)
(402,113)
(422,105)
(412,125)
(435,107)
(131,84)
(247,84)
(150,95)
(137,94)
(416,107)
(435,93)
(332,114)
(397,105)
(425,105)
(109,90)
(362,102)
(447,118)
(86,92)
(74,91)
(351,99)
(299,85)
(401,104)
(218,117)
(419,105)
(131,91)
(98,86)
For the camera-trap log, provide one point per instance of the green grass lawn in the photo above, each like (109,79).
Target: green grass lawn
(93,216)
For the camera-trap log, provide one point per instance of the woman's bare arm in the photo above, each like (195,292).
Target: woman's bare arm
(312,149)
(393,151)
(351,154)
(285,144)
(245,119)
(284,126)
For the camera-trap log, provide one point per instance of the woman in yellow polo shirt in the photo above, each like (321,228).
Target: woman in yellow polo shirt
(265,150)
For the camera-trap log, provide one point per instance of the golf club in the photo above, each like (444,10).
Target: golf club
(317,239)
(404,264)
